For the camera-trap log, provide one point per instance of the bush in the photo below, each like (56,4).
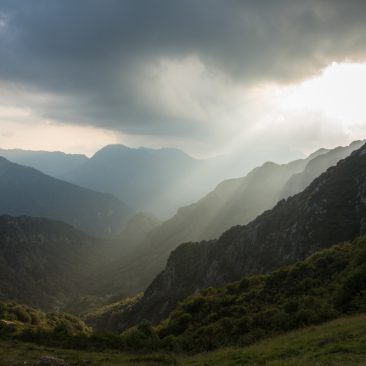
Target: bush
(352,286)
(22,315)
(141,338)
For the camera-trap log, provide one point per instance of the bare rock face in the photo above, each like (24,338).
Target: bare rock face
(331,210)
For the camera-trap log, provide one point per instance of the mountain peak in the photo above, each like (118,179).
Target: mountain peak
(111,148)
(317,153)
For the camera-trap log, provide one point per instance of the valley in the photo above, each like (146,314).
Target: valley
(287,269)
(182,183)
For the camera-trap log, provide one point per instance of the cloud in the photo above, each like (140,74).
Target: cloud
(168,68)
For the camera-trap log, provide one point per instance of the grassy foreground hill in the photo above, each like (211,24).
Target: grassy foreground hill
(340,342)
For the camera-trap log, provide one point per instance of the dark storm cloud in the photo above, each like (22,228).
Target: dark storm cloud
(95,52)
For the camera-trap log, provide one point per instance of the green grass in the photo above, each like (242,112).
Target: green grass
(18,353)
(341,342)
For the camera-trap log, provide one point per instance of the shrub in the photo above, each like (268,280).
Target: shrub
(140,338)
(352,286)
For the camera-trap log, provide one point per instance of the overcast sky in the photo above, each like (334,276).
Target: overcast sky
(282,77)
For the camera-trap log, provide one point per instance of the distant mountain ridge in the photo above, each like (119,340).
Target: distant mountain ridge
(27,191)
(54,163)
(149,180)
(331,210)
(298,182)
(153,180)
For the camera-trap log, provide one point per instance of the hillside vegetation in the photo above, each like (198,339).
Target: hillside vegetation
(339,342)
(45,263)
(325,286)
(26,323)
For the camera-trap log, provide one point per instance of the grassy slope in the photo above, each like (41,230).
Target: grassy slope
(340,342)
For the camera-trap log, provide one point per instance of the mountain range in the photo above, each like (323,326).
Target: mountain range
(27,191)
(54,163)
(233,202)
(330,210)
(149,180)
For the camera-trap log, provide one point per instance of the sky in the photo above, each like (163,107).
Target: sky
(278,78)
